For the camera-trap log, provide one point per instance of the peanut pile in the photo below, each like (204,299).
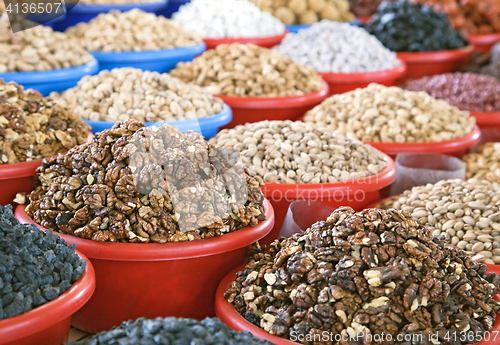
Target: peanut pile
(137,30)
(33,127)
(391,115)
(248,70)
(130,93)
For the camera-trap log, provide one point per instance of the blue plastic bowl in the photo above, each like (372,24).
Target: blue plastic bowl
(45,19)
(54,80)
(207,126)
(150,60)
(297,27)
(84,13)
(172,7)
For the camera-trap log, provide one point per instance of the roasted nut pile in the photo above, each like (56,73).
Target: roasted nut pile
(248,70)
(466,213)
(466,91)
(370,272)
(38,49)
(405,27)
(307,11)
(137,30)
(140,184)
(298,152)
(33,127)
(484,163)
(35,266)
(130,93)
(172,330)
(338,47)
(227,18)
(391,115)
(473,17)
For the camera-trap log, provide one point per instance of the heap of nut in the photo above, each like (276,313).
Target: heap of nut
(363,274)
(465,213)
(137,30)
(38,49)
(248,70)
(484,163)
(129,93)
(391,115)
(33,127)
(139,184)
(307,11)
(298,152)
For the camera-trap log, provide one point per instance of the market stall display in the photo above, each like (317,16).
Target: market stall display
(305,161)
(372,271)
(152,97)
(257,83)
(31,128)
(347,57)
(147,41)
(423,38)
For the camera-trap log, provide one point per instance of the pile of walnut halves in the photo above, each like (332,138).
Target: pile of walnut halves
(140,184)
(367,273)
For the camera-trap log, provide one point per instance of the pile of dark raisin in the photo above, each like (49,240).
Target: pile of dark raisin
(172,331)
(405,27)
(35,266)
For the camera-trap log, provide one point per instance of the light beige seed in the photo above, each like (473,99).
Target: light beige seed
(478,247)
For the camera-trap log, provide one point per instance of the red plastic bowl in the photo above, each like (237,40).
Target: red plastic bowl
(49,323)
(429,63)
(226,312)
(266,42)
(255,109)
(344,82)
(355,193)
(456,147)
(489,123)
(483,43)
(151,280)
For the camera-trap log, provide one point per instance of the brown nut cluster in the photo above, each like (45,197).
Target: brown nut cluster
(307,11)
(140,184)
(248,70)
(33,127)
(372,271)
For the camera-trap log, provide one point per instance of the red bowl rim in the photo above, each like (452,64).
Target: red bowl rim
(485,39)
(265,40)
(228,314)
(487,118)
(366,77)
(285,102)
(445,146)
(165,251)
(365,184)
(436,56)
(50,313)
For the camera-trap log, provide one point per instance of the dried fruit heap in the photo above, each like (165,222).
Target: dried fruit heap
(33,127)
(140,184)
(373,271)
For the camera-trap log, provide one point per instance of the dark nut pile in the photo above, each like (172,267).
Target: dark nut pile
(466,91)
(391,115)
(248,70)
(33,127)
(373,272)
(137,30)
(140,184)
(35,266)
(298,152)
(484,163)
(488,64)
(172,331)
(130,93)
(405,27)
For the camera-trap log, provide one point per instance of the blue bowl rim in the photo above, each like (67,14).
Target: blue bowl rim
(97,8)
(146,55)
(51,76)
(356,22)
(215,121)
